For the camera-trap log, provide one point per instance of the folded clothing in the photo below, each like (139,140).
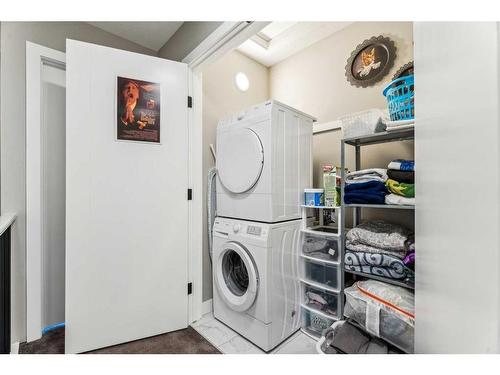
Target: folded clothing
(371,192)
(409,259)
(408,177)
(399,200)
(349,339)
(378,237)
(365,175)
(378,264)
(400,188)
(402,165)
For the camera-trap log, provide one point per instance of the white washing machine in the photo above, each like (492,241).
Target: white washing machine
(264,163)
(255,276)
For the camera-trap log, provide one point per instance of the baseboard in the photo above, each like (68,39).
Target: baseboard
(206,307)
(14,348)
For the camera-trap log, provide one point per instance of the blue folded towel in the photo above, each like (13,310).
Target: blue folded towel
(402,165)
(371,192)
(363,186)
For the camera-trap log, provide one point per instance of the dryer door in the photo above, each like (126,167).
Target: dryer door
(236,277)
(240,159)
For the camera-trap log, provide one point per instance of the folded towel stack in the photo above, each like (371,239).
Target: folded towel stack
(366,186)
(400,182)
(382,249)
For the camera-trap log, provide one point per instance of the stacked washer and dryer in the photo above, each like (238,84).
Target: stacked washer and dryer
(264,162)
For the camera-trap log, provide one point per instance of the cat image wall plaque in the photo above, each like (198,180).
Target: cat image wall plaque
(370,61)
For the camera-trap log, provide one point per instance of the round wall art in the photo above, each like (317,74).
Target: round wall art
(370,61)
(406,70)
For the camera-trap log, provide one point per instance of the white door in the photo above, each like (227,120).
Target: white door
(126,203)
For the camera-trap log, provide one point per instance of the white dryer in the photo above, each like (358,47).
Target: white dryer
(255,277)
(264,162)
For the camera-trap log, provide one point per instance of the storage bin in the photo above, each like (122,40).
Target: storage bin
(314,323)
(386,311)
(321,273)
(400,98)
(321,247)
(321,300)
(363,123)
(314,197)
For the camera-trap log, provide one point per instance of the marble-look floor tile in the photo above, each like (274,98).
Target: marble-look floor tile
(205,318)
(238,345)
(291,338)
(215,332)
(302,344)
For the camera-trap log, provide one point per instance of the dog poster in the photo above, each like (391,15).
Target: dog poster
(138,110)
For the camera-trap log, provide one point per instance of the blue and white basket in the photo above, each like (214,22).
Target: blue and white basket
(400,98)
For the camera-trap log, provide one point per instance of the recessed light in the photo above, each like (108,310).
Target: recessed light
(242,82)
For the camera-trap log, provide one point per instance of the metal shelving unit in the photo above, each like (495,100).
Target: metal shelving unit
(357,142)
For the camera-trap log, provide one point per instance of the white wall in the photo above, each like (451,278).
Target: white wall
(457,216)
(13,136)
(220,99)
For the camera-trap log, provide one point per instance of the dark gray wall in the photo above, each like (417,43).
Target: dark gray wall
(13,135)
(189,35)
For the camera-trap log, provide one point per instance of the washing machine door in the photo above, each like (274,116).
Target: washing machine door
(240,159)
(236,277)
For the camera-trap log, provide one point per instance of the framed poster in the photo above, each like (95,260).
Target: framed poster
(137,110)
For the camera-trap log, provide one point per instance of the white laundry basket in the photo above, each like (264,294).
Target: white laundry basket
(363,123)
(322,343)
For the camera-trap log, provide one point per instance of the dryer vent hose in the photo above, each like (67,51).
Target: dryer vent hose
(211,206)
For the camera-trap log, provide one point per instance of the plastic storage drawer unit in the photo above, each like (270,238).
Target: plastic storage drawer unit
(321,273)
(321,300)
(322,247)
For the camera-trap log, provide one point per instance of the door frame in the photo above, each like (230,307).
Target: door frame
(36,56)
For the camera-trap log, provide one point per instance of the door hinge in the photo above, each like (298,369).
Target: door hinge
(190,288)
(190,194)
(190,102)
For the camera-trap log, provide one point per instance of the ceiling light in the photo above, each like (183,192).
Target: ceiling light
(242,82)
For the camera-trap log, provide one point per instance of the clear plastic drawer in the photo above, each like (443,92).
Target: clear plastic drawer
(321,273)
(315,323)
(321,247)
(320,300)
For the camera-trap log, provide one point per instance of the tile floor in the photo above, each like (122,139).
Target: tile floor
(230,342)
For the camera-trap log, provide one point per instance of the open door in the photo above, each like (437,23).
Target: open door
(126,201)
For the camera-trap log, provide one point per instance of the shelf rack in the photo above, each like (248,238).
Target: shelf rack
(372,139)
(357,142)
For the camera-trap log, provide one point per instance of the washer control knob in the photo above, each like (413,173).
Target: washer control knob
(236,228)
